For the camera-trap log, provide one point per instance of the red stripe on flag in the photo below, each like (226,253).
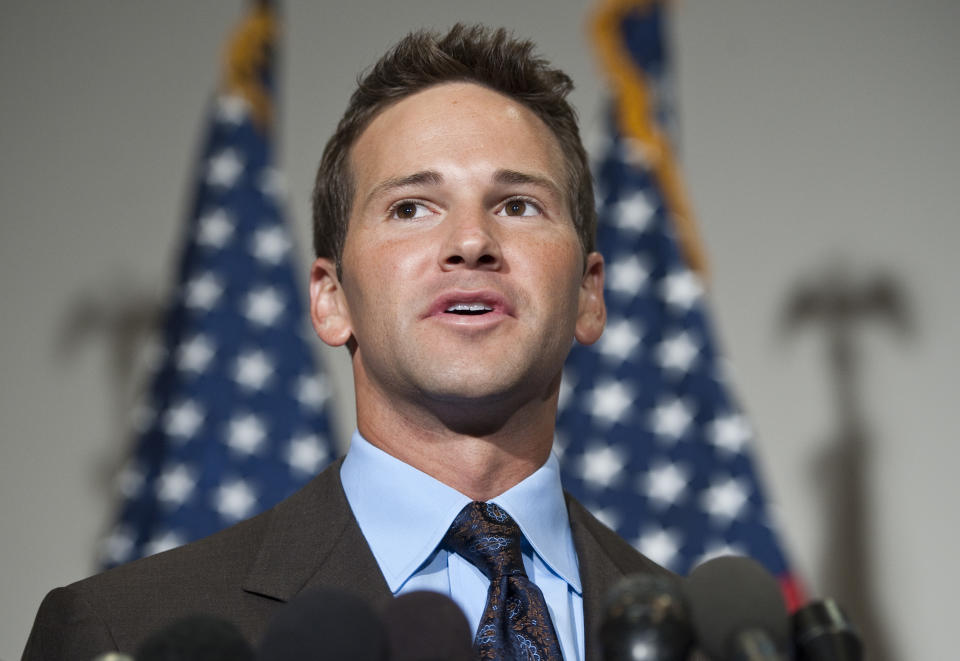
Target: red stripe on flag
(793,593)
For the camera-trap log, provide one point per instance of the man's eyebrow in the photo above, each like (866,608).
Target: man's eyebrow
(515,177)
(430,177)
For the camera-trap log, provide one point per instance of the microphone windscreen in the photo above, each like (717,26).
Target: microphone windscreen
(196,638)
(427,626)
(645,619)
(730,596)
(324,624)
(823,632)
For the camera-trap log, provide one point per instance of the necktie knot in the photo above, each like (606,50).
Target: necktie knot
(516,622)
(489,538)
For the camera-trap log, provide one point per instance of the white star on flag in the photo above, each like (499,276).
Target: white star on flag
(567,383)
(195,354)
(224,168)
(607,516)
(253,369)
(130,480)
(272,183)
(731,432)
(215,228)
(718,548)
(634,212)
(619,339)
(671,419)
(203,291)
(234,500)
(306,453)
(559,445)
(263,306)
(627,275)
(635,152)
(659,545)
(117,546)
(724,500)
(246,434)
(664,484)
(677,352)
(312,392)
(682,289)
(231,109)
(601,465)
(183,420)
(270,245)
(609,400)
(175,485)
(163,542)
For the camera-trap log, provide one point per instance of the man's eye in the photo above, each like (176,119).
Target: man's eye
(519,207)
(409,211)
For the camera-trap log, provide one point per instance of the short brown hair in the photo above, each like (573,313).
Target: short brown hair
(422,59)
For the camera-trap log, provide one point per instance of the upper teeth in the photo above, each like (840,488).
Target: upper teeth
(468,307)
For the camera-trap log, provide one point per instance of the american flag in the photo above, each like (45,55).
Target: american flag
(236,417)
(651,439)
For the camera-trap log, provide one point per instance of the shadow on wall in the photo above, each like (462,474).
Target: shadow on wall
(841,304)
(125,317)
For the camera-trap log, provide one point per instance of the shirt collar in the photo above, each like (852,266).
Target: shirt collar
(404,513)
(538,507)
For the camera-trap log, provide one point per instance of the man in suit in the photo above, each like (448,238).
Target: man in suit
(454,229)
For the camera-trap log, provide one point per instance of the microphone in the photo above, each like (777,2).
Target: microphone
(196,638)
(324,624)
(645,619)
(427,626)
(823,632)
(737,610)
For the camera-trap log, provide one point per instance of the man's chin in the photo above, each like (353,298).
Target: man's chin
(468,390)
(489,394)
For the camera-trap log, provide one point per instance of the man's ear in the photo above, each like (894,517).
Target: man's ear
(328,306)
(591,310)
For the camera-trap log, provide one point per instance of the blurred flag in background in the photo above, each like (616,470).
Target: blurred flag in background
(237,412)
(650,437)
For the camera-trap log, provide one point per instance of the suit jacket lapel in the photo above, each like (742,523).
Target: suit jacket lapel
(598,574)
(312,540)
(604,559)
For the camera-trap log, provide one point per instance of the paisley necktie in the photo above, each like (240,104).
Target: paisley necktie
(515,622)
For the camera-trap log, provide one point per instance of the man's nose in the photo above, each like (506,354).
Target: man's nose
(471,242)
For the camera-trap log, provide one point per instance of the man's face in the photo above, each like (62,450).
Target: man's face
(463,277)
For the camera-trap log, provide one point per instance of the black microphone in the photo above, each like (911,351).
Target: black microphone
(823,632)
(737,610)
(196,638)
(645,619)
(324,624)
(427,626)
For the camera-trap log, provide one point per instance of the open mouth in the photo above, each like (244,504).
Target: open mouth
(469,309)
(487,303)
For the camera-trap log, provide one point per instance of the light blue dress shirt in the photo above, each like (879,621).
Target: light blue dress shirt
(404,514)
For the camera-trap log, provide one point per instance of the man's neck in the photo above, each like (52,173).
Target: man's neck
(475,467)
(479,460)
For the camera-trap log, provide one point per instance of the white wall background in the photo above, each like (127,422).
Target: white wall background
(814,132)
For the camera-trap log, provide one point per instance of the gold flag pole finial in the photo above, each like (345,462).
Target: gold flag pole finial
(635,116)
(247,57)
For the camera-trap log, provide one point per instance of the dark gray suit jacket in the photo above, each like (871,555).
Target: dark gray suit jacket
(244,573)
